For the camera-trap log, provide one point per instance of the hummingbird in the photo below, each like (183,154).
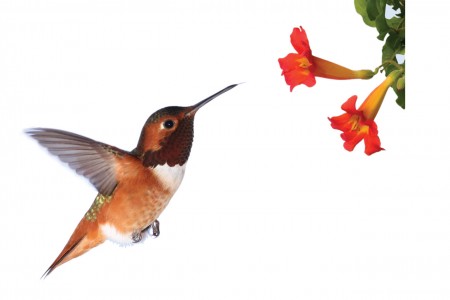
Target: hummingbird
(134,187)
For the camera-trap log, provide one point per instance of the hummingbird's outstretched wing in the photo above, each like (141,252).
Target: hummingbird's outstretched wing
(92,159)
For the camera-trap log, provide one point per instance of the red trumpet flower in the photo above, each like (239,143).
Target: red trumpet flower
(359,124)
(303,67)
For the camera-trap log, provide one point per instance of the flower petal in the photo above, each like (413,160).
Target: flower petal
(351,139)
(300,41)
(372,141)
(296,71)
(290,62)
(340,122)
(350,105)
(298,77)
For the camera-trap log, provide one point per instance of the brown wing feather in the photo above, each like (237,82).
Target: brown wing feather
(94,160)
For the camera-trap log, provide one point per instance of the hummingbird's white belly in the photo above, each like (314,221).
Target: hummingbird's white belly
(112,234)
(170,178)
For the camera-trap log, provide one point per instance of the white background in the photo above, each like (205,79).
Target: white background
(272,206)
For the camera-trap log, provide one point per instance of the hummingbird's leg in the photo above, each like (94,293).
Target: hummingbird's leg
(136,236)
(153,229)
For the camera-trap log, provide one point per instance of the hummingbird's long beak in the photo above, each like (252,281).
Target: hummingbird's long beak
(194,108)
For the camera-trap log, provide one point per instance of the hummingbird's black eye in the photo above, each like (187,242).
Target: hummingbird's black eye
(168,124)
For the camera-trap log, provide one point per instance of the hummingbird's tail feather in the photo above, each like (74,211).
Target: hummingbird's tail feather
(62,256)
(79,243)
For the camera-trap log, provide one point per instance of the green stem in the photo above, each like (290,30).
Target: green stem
(390,62)
(378,68)
(395,64)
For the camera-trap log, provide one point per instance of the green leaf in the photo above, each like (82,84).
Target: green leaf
(394,23)
(361,9)
(401,98)
(393,44)
(375,8)
(388,52)
(372,10)
(382,26)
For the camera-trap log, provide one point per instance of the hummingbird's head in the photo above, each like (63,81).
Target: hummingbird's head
(167,136)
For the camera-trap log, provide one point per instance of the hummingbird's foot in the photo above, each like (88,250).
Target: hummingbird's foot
(136,237)
(153,229)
